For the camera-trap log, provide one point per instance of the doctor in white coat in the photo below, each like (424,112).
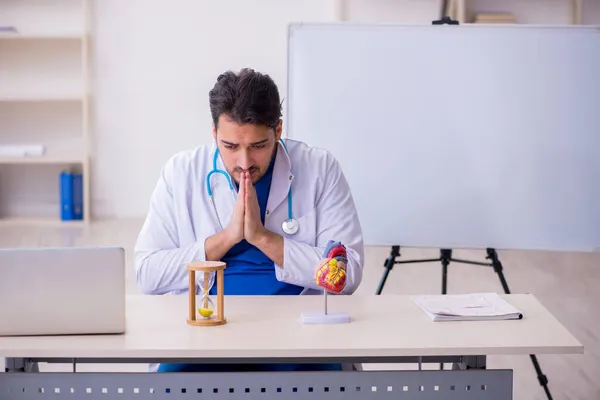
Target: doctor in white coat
(266,205)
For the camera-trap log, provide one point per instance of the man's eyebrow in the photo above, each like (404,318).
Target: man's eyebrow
(251,144)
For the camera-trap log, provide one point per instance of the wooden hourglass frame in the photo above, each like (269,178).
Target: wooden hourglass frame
(207,267)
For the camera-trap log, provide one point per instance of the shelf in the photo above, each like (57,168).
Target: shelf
(45,74)
(32,221)
(544,12)
(40,160)
(31,193)
(40,97)
(35,17)
(41,71)
(41,36)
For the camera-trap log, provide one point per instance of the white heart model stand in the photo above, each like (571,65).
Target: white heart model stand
(325,317)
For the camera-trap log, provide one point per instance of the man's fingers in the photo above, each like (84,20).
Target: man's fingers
(242,192)
(251,189)
(246,185)
(247,194)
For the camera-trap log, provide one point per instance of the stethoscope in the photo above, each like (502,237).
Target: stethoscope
(290,226)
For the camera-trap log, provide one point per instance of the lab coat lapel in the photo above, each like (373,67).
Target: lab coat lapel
(281,180)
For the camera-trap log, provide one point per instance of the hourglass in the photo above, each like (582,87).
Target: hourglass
(202,310)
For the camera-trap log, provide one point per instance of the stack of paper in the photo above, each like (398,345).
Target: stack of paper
(467,307)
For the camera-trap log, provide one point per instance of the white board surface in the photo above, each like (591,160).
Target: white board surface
(464,136)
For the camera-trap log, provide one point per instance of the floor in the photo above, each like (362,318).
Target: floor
(566,283)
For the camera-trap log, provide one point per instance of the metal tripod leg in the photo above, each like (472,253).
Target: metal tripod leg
(445,257)
(388,264)
(497,265)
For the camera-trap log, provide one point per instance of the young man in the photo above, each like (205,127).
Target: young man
(267,207)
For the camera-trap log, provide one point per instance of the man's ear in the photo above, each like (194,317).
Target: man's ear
(278,130)
(214,131)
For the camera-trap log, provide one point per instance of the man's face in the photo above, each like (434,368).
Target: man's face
(246,148)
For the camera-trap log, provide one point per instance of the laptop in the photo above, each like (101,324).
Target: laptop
(62,291)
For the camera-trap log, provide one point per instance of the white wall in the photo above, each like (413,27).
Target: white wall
(155,62)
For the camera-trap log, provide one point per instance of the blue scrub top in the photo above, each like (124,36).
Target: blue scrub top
(249,271)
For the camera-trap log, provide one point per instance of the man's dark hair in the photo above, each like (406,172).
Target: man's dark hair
(246,97)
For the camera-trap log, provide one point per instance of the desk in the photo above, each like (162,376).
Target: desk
(383,329)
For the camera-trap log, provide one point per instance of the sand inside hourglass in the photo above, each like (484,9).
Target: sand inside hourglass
(206,306)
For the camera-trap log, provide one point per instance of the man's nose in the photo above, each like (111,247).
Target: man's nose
(244,161)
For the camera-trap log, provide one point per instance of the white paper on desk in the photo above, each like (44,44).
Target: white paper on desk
(467,307)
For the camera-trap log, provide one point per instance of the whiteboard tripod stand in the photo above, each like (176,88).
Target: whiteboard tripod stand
(446,257)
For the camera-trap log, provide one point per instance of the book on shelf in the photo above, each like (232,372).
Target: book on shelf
(71,196)
(494,18)
(467,307)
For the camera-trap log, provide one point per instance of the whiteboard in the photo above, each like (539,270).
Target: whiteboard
(463,136)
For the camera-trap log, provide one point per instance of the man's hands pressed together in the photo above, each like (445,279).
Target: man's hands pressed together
(246,224)
(235,229)
(254,230)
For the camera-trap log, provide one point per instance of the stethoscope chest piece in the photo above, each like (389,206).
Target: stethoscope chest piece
(290,226)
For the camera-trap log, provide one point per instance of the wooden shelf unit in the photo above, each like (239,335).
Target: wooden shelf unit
(44,100)
(461,10)
(574,12)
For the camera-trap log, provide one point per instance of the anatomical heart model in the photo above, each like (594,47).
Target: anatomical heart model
(330,274)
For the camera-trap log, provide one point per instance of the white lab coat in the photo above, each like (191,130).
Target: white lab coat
(181,217)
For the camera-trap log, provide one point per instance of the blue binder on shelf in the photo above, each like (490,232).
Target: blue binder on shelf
(71,196)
